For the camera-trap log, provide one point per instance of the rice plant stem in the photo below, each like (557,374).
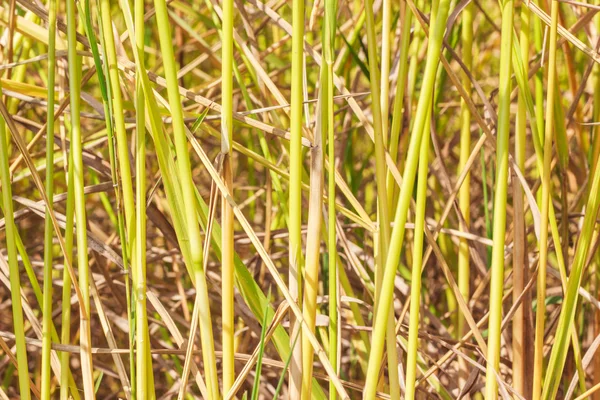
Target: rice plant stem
(144,371)
(540,317)
(295,202)
(187,186)
(226,211)
(417,266)
(80,212)
(499,217)
(48,228)
(397,237)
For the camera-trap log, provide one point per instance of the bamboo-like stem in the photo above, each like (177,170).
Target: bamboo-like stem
(80,212)
(295,202)
(386,42)
(397,113)
(227,267)
(540,317)
(65,335)
(383,211)
(499,221)
(464,195)
(329,31)
(144,370)
(48,228)
(187,185)
(397,237)
(417,266)
(521,341)
(15,282)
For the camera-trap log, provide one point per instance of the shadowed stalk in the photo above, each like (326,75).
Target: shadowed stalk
(48,228)
(295,202)
(15,282)
(80,212)
(499,217)
(187,186)
(521,341)
(227,267)
(540,317)
(417,265)
(464,196)
(397,237)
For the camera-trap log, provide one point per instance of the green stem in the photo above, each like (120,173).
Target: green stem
(48,228)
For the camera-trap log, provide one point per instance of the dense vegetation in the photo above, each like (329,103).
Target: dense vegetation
(332,199)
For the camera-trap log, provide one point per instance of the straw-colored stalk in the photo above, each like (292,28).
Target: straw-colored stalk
(48,228)
(499,219)
(397,237)
(313,247)
(521,342)
(188,191)
(417,266)
(540,317)
(227,267)
(295,202)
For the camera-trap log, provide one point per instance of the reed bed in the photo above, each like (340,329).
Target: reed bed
(303,199)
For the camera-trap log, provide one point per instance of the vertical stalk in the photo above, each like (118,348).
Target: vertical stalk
(65,335)
(417,266)
(386,41)
(499,218)
(313,247)
(464,194)
(383,211)
(328,56)
(226,210)
(144,370)
(397,237)
(15,282)
(48,228)
(520,327)
(187,184)
(80,213)
(540,317)
(397,113)
(295,202)
(594,159)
